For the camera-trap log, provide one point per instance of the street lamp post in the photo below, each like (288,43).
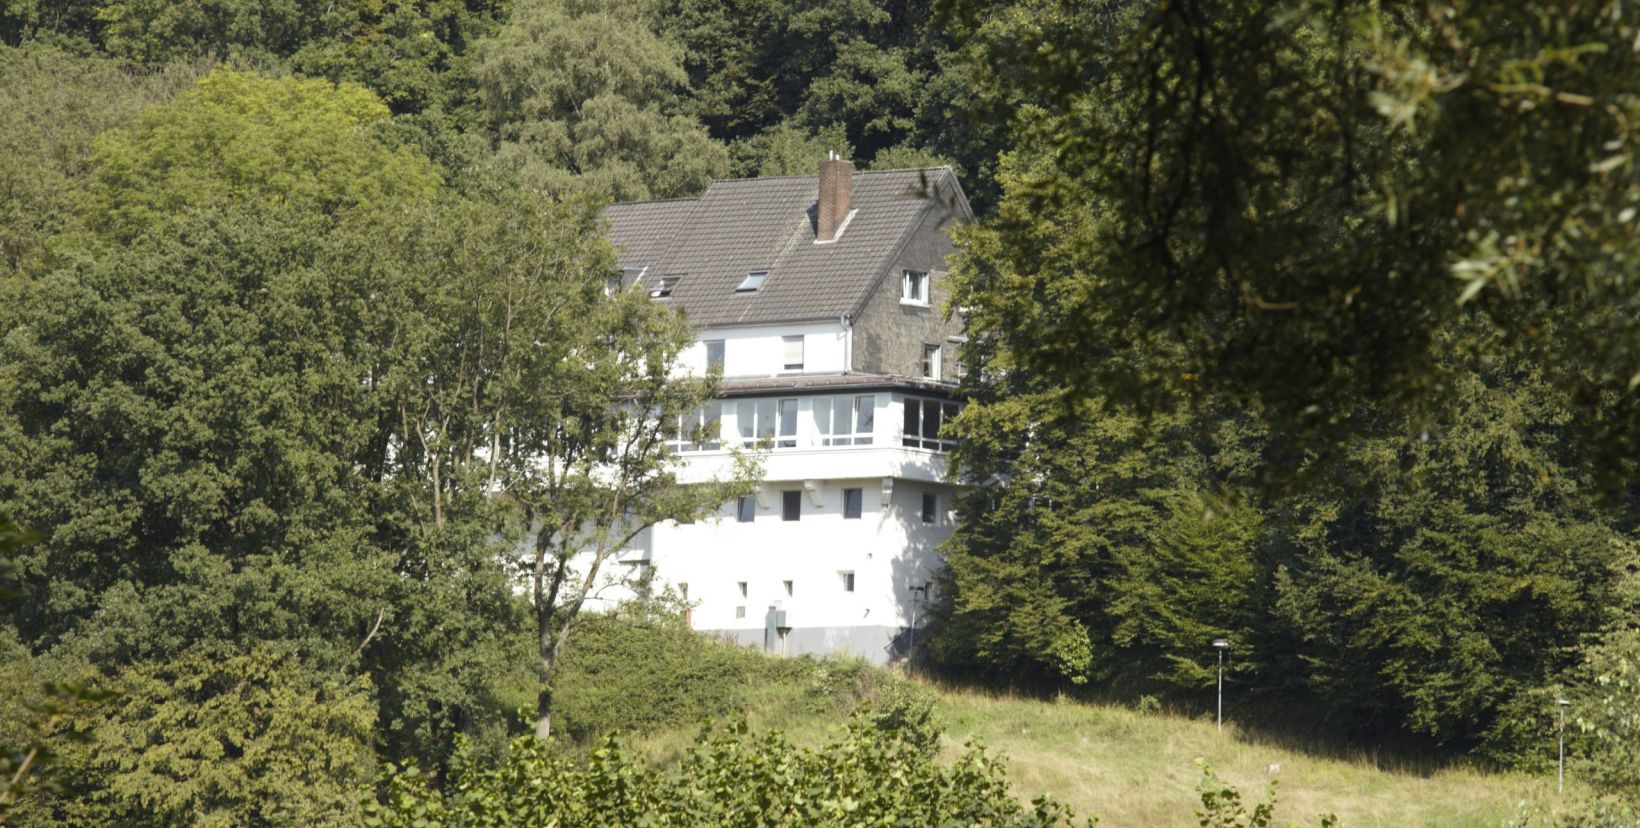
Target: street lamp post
(1221,644)
(1560,769)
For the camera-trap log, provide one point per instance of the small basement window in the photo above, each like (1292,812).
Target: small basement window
(664,288)
(847,578)
(753,281)
(852,500)
(791,505)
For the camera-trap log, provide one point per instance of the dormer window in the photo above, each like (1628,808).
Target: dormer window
(664,288)
(914,288)
(752,282)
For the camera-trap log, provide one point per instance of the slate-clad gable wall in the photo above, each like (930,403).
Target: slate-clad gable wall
(888,335)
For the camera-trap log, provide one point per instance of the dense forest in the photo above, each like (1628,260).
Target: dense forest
(1297,324)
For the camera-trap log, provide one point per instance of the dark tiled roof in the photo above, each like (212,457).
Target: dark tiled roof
(744,225)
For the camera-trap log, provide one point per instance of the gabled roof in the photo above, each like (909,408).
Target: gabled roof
(751,224)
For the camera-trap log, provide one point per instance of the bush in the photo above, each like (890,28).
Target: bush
(867,775)
(642,674)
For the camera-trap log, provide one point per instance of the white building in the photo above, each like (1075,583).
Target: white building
(821,299)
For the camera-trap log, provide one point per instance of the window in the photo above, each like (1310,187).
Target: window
(755,421)
(793,346)
(791,505)
(612,285)
(847,577)
(664,288)
(931,361)
(930,505)
(740,612)
(852,501)
(845,421)
(714,354)
(742,586)
(923,420)
(699,430)
(788,586)
(788,424)
(914,288)
(746,509)
(752,282)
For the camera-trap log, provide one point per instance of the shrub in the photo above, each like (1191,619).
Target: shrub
(865,776)
(642,674)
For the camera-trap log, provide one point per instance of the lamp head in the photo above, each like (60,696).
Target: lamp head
(1221,643)
(1562,702)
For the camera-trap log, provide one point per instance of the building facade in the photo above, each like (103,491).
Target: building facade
(820,299)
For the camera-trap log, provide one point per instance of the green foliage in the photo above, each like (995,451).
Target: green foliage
(865,776)
(58,103)
(1606,711)
(1301,197)
(1428,571)
(638,675)
(786,150)
(1222,805)
(237,138)
(213,738)
(603,115)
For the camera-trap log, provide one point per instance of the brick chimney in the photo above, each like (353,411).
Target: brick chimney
(836,188)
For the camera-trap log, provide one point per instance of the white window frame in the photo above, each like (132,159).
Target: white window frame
(932,359)
(753,282)
(690,426)
(787,344)
(664,287)
(722,349)
(924,436)
(915,287)
(859,505)
(857,430)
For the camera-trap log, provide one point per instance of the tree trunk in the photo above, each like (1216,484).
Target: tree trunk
(550,645)
(543,713)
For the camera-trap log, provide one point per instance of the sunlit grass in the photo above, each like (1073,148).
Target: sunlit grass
(1135,769)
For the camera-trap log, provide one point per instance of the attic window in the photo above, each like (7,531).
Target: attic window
(753,281)
(664,289)
(914,288)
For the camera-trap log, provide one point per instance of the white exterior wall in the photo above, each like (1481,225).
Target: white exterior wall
(759,351)
(888,548)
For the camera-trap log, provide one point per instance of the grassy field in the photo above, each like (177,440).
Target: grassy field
(1133,769)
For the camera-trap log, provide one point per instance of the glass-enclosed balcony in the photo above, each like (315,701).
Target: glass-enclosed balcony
(878,418)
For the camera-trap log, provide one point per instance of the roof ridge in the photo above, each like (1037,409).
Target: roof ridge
(817,175)
(653,201)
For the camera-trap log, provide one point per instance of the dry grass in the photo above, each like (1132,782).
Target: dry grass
(1133,769)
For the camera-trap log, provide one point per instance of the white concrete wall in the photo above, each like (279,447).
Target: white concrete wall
(888,549)
(759,351)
